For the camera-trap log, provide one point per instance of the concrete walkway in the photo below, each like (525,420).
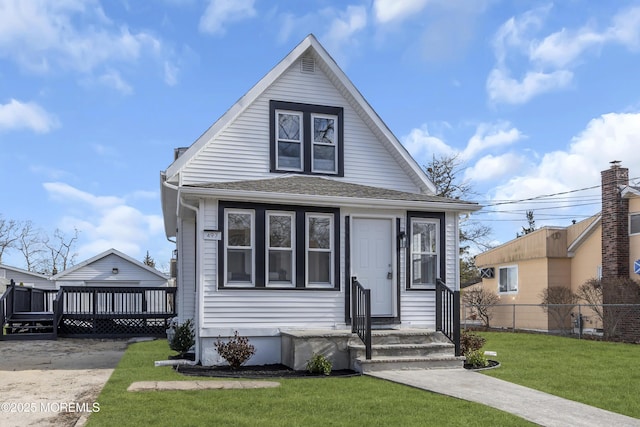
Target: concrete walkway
(532,405)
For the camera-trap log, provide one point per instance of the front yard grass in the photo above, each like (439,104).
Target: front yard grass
(601,374)
(353,401)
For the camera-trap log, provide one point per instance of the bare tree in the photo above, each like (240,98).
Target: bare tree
(445,174)
(30,245)
(559,301)
(481,301)
(60,251)
(591,293)
(9,234)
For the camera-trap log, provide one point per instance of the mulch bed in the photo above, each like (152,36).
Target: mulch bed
(492,364)
(256,372)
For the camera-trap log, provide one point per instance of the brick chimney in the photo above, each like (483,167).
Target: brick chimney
(615,222)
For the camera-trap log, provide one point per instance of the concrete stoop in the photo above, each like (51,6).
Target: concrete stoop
(391,349)
(404,350)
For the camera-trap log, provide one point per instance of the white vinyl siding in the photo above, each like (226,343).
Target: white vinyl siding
(281,309)
(241,150)
(187,272)
(452,251)
(101,272)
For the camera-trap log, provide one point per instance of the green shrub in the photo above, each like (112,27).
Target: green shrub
(470,342)
(236,351)
(477,359)
(319,364)
(184,337)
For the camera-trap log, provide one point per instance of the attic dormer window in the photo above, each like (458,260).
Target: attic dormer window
(306,138)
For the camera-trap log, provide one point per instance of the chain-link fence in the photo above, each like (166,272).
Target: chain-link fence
(608,321)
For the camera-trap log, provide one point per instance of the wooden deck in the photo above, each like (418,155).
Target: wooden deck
(85,312)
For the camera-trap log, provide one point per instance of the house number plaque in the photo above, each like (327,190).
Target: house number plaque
(212,235)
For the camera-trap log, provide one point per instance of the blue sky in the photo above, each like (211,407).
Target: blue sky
(535,97)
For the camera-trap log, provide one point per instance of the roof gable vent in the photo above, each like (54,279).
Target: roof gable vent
(307,65)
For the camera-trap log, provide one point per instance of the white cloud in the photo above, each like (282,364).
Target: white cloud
(550,59)
(343,27)
(614,136)
(170,73)
(501,87)
(107,222)
(490,135)
(393,10)
(422,145)
(20,115)
(113,79)
(625,28)
(491,168)
(43,36)
(219,13)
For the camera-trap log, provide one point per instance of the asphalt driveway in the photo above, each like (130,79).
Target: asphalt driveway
(57,383)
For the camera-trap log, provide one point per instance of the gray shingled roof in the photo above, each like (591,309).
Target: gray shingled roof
(320,186)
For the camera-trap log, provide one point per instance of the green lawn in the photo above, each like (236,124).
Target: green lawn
(601,374)
(354,401)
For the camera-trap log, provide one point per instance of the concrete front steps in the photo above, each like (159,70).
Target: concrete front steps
(404,349)
(391,349)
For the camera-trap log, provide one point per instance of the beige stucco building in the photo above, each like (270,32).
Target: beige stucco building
(520,270)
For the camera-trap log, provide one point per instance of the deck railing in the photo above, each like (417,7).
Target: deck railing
(6,305)
(361,314)
(448,313)
(115,301)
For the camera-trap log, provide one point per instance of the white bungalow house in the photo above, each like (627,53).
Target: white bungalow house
(110,268)
(297,188)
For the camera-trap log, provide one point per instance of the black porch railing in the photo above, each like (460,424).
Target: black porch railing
(448,313)
(97,312)
(114,311)
(361,314)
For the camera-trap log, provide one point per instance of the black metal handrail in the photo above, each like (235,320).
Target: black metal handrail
(448,313)
(361,314)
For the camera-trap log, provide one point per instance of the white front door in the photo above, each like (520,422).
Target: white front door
(372,262)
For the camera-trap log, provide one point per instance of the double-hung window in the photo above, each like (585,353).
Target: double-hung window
(325,148)
(280,248)
(289,141)
(275,246)
(425,242)
(508,279)
(319,242)
(306,138)
(239,242)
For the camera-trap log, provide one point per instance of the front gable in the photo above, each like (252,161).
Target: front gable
(243,143)
(110,268)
